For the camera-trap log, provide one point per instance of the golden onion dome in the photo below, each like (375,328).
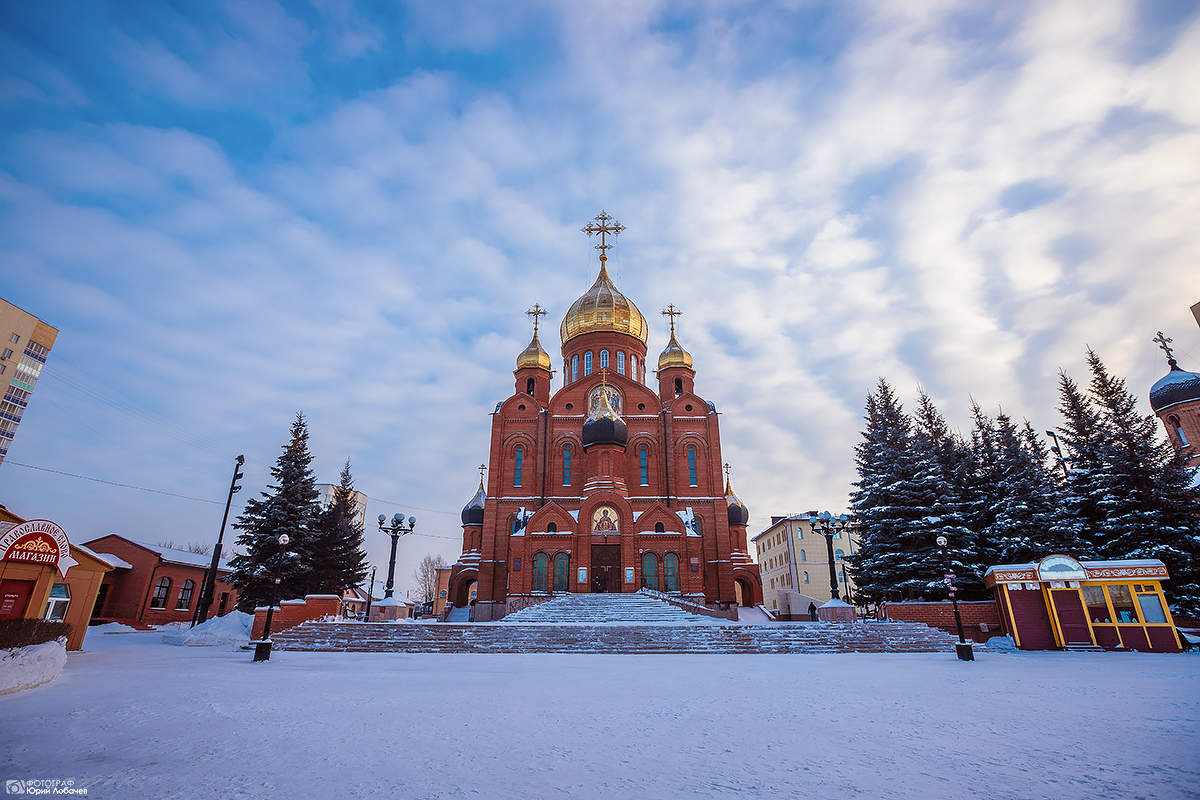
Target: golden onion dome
(674,355)
(534,356)
(603,308)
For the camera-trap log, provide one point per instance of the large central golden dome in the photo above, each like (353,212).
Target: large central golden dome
(603,308)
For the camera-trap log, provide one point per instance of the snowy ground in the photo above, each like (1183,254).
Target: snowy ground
(134,718)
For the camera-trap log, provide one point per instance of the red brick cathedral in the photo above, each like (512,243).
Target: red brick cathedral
(605,485)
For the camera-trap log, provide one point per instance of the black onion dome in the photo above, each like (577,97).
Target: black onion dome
(738,513)
(472,513)
(605,426)
(1177,386)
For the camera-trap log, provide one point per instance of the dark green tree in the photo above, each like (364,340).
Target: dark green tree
(338,558)
(289,505)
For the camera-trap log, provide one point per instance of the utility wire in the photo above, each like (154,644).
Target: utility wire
(113,483)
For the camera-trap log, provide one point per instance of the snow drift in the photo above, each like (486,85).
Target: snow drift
(27,667)
(233,628)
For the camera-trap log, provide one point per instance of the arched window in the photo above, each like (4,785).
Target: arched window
(587,363)
(562,572)
(1174,422)
(659,528)
(541,565)
(650,571)
(574,368)
(159,600)
(185,595)
(839,554)
(518,464)
(691,458)
(603,359)
(678,386)
(621,362)
(552,527)
(633,368)
(644,464)
(803,556)
(671,572)
(529,385)
(806,577)
(567,465)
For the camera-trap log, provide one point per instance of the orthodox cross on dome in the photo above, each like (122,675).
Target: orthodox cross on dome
(727,469)
(535,312)
(671,312)
(482,469)
(1164,343)
(603,225)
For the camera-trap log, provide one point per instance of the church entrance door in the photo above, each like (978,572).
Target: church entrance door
(606,568)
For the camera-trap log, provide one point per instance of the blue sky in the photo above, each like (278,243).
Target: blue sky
(236,211)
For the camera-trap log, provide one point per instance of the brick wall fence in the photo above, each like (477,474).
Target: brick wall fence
(940,614)
(291,613)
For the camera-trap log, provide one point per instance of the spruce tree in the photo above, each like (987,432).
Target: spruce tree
(289,505)
(1080,512)
(339,561)
(896,557)
(1024,498)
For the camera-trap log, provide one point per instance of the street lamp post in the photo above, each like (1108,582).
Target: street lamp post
(830,527)
(1059,456)
(963,648)
(396,529)
(262,648)
(208,587)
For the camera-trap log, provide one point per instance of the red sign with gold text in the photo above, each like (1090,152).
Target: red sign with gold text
(38,541)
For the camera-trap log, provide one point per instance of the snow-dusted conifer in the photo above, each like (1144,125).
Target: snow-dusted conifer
(339,561)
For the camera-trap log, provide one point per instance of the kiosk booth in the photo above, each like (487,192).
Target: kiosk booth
(1059,603)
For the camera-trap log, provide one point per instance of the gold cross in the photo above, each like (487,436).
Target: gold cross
(1164,343)
(607,225)
(671,313)
(604,376)
(535,312)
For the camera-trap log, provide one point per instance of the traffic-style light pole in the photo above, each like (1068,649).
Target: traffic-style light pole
(210,577)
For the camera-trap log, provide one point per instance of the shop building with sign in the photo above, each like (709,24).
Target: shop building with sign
(154,585)
(44,576)
(1059,603)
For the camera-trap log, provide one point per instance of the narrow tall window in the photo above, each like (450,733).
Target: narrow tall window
(621,362)
(803,556)
(185,595)
(691,456)
(671,572)
(518,463)
(644,464)
(678,386)
(1183,440)
(587,363)
(650,571)
(806,577)
(541,566)
(603,359)
(567,465)
(574,368)
(633,373)
(562,572)
(838,555)
(161,589)
(529,384)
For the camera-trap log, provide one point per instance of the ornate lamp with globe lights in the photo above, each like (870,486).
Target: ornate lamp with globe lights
(396,529)
(963,648)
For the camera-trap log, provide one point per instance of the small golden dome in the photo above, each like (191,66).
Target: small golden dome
(603,308)
(674,355)
(534,356)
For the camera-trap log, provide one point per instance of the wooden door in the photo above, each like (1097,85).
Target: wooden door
(606,567)
(1072,619)
(14,598)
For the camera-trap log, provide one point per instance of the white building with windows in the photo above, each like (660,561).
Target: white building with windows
(792,557)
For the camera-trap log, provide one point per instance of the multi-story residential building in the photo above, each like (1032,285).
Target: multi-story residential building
(360,502)
(25,341)
(792,557)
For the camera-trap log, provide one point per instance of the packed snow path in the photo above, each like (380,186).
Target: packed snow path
(133,718)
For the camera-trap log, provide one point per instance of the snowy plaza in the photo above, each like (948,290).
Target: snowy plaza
(131,717)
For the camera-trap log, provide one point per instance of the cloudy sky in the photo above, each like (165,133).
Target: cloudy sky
(237,211)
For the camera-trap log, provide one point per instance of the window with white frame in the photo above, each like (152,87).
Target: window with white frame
(60,599)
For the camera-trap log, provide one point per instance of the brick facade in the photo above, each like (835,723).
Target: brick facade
(671,432)
(128,594)
(940,614)
(291,613)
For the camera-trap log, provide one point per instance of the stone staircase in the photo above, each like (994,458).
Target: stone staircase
(660,637)
(606,609)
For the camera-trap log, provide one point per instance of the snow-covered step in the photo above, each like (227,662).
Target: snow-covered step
(628,609)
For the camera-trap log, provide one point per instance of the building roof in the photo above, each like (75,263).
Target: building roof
(1177,386)
(174,556)
(603,308)
(107,558)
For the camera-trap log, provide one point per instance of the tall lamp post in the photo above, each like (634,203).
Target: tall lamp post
(210,577)
(1059,456)
(262,648)
(963,648)
(830,527)
(395,530)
